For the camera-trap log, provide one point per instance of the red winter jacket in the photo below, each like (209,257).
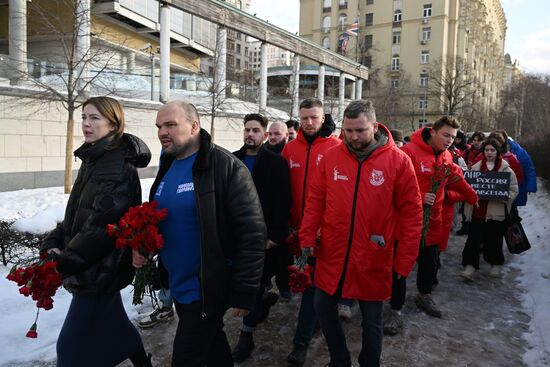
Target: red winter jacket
(423,157)
(456,190)
(303,160)
(514,165)
(357,205)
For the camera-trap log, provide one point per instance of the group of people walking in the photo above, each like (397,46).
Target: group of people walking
(354,204)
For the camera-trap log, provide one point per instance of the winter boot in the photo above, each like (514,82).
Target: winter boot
(269,300)
(159,314)
(298,355)
(464,230)
(344,311)
(468,272)
(495,271)
(244,347)
(393,322)
(427,304)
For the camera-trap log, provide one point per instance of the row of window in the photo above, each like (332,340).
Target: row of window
(369,19)
(395,60)
(423,81)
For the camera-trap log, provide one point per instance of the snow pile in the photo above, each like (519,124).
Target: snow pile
(44,221)
(535,276)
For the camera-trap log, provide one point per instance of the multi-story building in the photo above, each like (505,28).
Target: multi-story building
(408,46)
(275,56)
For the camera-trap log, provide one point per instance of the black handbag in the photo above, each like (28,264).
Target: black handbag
(515,236)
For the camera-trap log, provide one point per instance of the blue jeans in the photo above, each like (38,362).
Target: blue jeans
(326,307)
(165,297)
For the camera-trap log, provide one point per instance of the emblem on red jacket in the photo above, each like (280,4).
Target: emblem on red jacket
(376,177)
(423,168)
(338,176)
(319,157)
(294,164)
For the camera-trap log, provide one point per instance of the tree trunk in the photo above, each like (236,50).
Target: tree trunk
(212,128)
(69,153)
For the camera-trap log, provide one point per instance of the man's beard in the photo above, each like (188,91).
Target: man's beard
(251,144)
(276,147)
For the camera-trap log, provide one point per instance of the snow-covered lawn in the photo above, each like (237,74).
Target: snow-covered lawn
(37,210)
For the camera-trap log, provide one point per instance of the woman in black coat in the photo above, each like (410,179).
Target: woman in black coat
(97,331)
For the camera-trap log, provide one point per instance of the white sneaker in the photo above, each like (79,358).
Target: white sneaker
(159,314)
(495,271)
(468,272)
(344,311)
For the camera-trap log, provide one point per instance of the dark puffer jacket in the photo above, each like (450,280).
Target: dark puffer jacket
(232,228)
(106,186)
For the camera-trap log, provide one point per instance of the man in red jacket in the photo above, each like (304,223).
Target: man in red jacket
(303,155)
(429,147)
(364,195)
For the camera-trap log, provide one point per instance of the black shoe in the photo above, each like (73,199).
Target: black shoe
(244,347)
(269,300)
(427,304)
(298,355)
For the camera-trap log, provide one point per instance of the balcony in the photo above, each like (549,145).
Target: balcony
(343,6)
(327,9)
(396,24)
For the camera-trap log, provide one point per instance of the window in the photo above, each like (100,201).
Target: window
(327,3)
(246,65)
(397,16)
(424,80)
(326,42)
(370,2)
(395,83)
(342,22)
(421,122)
(425,57)
(426,34)
(395,63)
(367,61)
(396,38)
(239,36)
(231,45)
(326,24)
(246,51)
(343,4)
(368,41)
(230,60)
(427,10)
(369,19)
(238,48)
(423,103)
(238,65)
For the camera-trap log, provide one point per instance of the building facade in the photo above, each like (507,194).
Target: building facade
(417,50)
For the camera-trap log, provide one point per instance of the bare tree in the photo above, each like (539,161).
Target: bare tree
(451,83)
(78,65)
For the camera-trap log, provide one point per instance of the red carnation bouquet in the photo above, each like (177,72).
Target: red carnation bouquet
(440,172)
(299,277)
(138,229)
(39,280)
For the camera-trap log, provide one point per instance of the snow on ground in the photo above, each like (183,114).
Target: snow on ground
(482,325)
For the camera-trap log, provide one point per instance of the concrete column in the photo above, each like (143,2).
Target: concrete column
(359,89)
(131,62)
(321,83)
(341,96)
(295,88)
(18,40)
(263,77)
(353,89)
(83,44)
(164,52)
(220,60)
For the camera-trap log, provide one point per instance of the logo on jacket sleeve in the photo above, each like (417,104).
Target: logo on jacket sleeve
(294,164)
(338,176)
(376,177)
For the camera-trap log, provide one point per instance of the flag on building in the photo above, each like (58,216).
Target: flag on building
(343,42)
(353,29)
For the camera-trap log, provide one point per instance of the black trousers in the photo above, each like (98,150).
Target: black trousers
(277,260)
(326,307)
(398,292)
(427,268)
(200,341)
(491,234)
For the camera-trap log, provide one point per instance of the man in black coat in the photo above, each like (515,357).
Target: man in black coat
(214,235)
(272,181)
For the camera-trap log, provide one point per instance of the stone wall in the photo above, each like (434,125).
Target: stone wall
(33,135)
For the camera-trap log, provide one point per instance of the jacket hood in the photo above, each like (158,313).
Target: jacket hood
(420,137)
(137,152)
